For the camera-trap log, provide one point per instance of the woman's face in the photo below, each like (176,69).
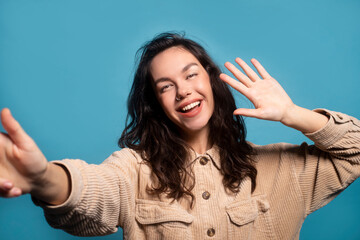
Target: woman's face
(182,87)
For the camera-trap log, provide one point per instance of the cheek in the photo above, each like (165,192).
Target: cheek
(165,102)
(210,96)
(203,84)
(205,87)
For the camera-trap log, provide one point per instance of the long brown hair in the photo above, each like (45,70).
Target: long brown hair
(149,131)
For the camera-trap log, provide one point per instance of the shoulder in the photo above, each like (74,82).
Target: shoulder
(125,157)
(274,154)
(276,164)
(128,153)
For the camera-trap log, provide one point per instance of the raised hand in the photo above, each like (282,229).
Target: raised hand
(270,100)
(22,164)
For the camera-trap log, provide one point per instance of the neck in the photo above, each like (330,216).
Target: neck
(199,140)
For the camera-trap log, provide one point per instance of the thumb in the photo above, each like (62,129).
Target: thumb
(247,112)
(14,130)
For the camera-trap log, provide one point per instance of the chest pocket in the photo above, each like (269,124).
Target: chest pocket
(249,219)
(160,220)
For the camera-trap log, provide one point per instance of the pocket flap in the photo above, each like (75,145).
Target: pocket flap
(245,211)
(242,212)
(152,212)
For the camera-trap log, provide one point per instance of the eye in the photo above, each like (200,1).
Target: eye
(165,87)
(191,75)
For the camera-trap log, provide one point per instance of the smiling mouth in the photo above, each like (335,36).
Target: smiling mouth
(189,107)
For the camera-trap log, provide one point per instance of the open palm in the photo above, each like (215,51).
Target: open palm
(21,161)
(270,100)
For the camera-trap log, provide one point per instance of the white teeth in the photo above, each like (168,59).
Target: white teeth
(190,106)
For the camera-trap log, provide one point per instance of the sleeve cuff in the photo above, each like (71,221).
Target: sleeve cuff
(334,130)
(75,192)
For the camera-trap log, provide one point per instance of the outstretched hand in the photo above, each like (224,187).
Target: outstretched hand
(21,162)
(270,100)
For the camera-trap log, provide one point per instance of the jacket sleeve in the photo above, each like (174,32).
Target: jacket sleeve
(326,169)
(101,198)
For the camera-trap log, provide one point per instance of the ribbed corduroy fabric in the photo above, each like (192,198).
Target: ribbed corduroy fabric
(292,182)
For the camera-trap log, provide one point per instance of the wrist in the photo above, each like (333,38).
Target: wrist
(291,115)
(304,120)
(53,186)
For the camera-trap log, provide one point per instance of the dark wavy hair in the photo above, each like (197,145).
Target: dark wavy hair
(149,131)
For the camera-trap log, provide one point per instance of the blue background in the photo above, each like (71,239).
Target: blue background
(66,69)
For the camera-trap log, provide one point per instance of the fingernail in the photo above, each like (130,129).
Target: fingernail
(17,192)
(8,184)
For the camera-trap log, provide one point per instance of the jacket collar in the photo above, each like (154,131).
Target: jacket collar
(212,154)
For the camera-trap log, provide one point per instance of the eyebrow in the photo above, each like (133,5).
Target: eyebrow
(183,70)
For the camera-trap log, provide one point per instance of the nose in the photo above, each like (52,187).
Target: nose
(182,92)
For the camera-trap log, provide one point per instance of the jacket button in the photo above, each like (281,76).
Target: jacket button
(203,161)
(211,232)
(206,195)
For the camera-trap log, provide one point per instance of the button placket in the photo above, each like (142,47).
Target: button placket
(206,188)
(203,161)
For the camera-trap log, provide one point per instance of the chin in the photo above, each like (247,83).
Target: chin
(195,126)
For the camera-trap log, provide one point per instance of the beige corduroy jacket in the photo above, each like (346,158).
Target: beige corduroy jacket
(292,182)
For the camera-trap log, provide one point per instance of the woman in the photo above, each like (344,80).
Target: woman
(188,172)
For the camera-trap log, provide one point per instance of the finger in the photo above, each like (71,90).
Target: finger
(5,185)
(238,74)
(234,84)
(248,70)
(8,190)
(3,138)
(247,112)
(14,130)
(13,192)
(263,73)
